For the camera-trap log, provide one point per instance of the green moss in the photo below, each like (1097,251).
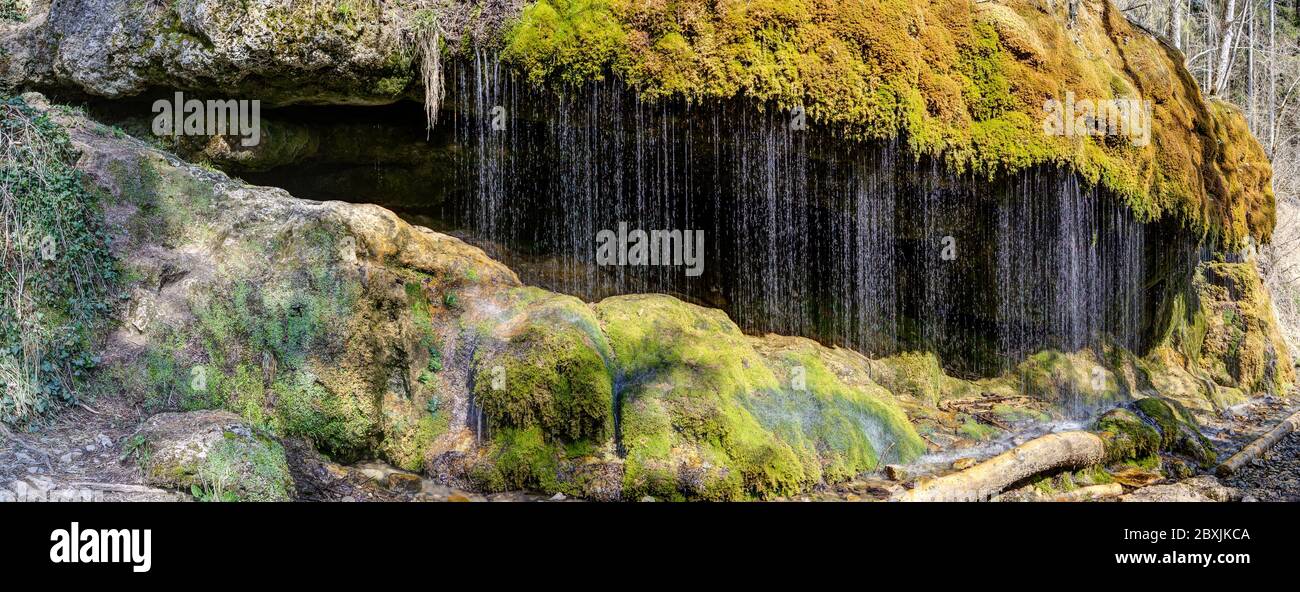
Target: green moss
(912,374)
(244,469)
(575,40)
(545,390)
(1069,378)
(524,459)
(550,378)
(706,416)
(1147,463)
(977,431)
(691,366)
(966,82)
(1233,333)
(406,442)
(1126,436)
(342,426)
(980,59)
(1178,432)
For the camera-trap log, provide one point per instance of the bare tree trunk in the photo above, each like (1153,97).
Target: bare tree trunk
(986,479)
(1250,75)
(1272,77)
(1220,82)
(1176,24)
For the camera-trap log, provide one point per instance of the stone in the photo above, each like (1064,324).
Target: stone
(214,455)
(403,483)
(963,463)
(896,473)
(1136,477)
(1204,488)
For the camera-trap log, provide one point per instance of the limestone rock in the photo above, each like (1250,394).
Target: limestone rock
(213,454)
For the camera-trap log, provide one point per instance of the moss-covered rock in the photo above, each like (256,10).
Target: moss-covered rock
(1077,380)
(1241,346)
(319,321)
(548,373)
(1223,344)
(1178,432)
(706,415)
(542,382)
(214,455)
(914,374)
(1126,436)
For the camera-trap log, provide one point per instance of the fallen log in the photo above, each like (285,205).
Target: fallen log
(120,488)
(1091,492)
(978,483)
(1259,446)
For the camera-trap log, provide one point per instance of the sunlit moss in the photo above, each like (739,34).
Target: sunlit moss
(954,78)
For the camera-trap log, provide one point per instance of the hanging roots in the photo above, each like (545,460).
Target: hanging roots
(428,43)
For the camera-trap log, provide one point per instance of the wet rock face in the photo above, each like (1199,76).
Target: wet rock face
(213,454)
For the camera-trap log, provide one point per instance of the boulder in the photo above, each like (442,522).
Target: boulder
(213,454)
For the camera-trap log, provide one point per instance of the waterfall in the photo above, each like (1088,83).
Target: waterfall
(806,233)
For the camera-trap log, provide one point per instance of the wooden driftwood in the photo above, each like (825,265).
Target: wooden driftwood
(1091,492)
(1259,446)
(1075,449)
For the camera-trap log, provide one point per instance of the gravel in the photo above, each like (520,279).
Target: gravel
(1274,477)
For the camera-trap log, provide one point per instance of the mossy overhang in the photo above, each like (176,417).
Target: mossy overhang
(959,79)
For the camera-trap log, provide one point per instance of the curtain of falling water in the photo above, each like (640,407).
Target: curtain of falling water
(805,233)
